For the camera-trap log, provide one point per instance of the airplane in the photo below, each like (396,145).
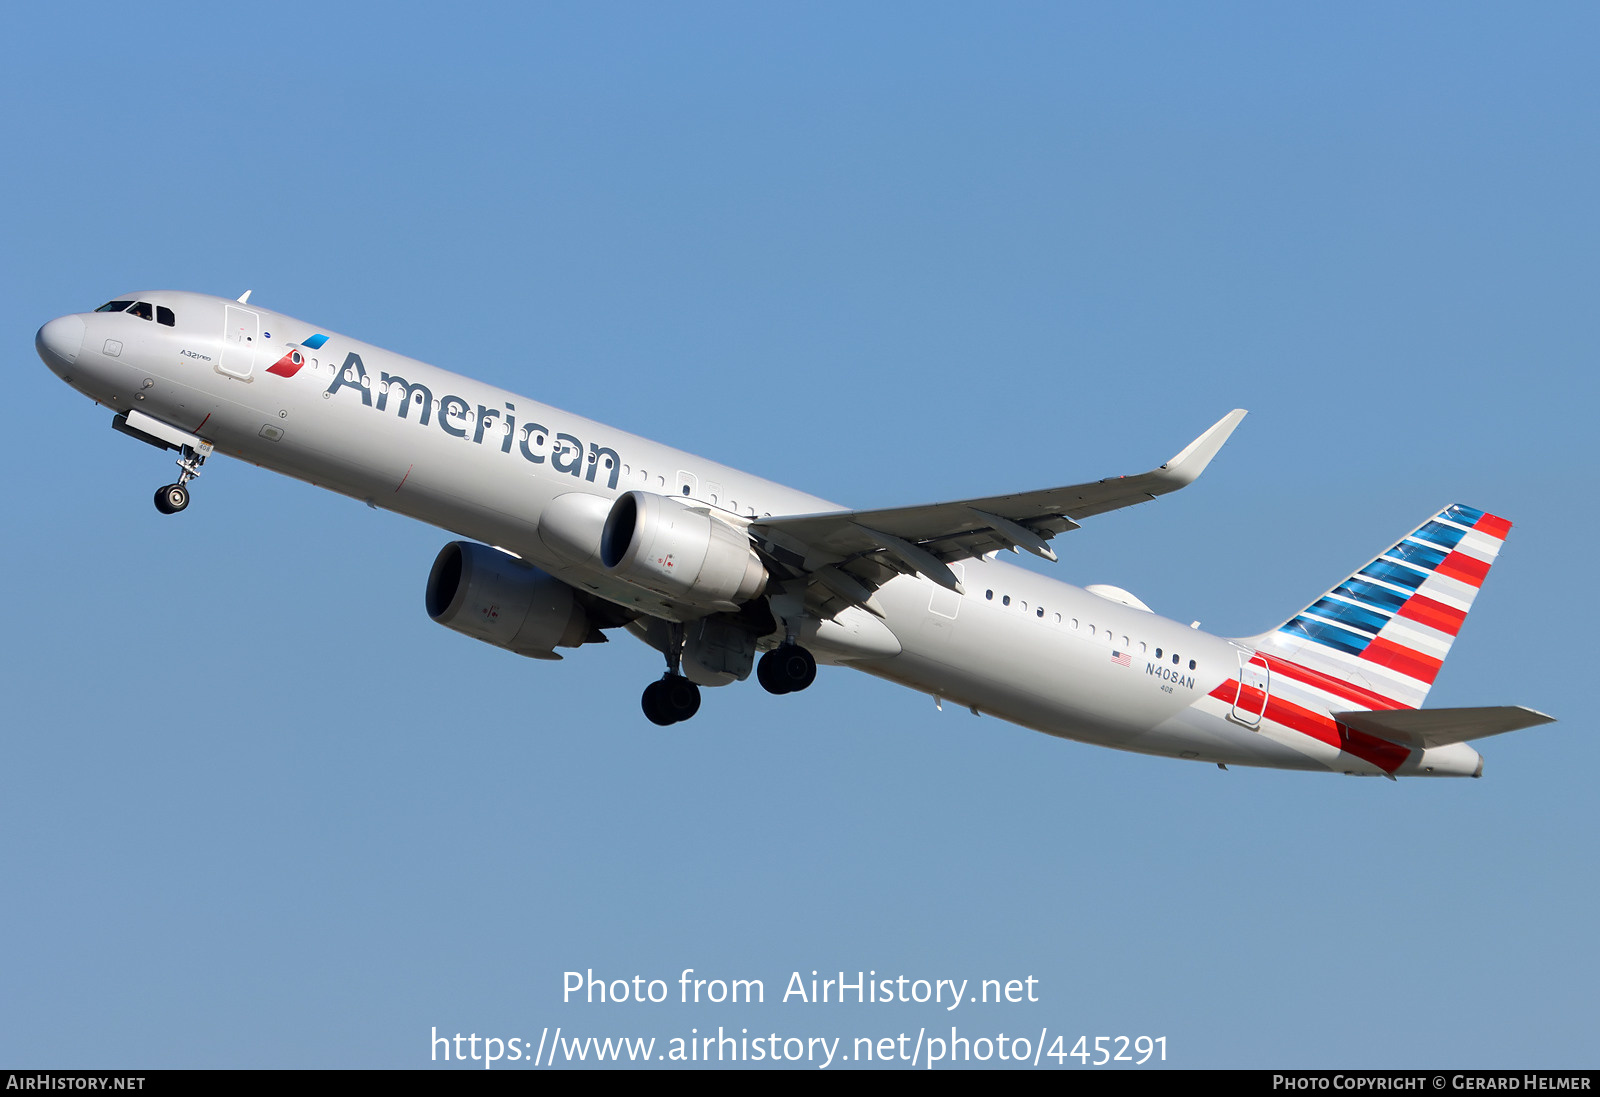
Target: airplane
(572,529)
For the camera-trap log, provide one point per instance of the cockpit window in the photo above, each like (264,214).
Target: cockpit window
(113,306)
(142,310)
(164,316)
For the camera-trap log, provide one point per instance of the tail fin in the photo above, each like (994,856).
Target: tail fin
(1386,630)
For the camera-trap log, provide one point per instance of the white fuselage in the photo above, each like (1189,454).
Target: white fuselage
(1016,644)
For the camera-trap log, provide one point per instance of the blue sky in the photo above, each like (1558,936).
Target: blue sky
(261,812)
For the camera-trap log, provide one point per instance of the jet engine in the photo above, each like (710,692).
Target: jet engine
(665,546)
(494,597)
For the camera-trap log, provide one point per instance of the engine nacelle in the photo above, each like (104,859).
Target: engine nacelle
(664,546)
(570,526)
(494,597)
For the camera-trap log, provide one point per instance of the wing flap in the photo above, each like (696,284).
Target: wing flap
(1420,728)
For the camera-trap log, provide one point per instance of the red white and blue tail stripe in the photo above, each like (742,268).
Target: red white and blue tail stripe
(1377,639)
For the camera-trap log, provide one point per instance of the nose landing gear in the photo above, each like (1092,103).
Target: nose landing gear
(175,497)
(172,498)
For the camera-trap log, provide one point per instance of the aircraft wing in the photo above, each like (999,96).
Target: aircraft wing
(846,555)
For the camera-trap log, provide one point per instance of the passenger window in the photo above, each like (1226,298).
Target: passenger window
(989,594)
(142,310)
(1040,612)
(1006,600)
(1191,664)
(164,316)
(1174,658)
(1158,653)
(114,306)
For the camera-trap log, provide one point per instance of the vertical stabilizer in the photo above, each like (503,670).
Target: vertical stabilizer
(1377,639)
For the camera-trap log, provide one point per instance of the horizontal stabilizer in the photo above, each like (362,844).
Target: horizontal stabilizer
(1420,728)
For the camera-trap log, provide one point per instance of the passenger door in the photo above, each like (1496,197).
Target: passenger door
(1255,683)
(241,332)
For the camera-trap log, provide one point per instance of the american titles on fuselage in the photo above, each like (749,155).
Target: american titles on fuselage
(461,418)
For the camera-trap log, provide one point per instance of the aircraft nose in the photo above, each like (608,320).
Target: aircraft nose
(59,341)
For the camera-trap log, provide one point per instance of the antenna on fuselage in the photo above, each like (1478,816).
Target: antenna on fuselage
(244,297)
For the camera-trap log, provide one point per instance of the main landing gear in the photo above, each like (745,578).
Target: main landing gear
(787,668)
(175,497)
(672,697)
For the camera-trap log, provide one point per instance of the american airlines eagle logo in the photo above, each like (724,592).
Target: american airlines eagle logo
(290,363)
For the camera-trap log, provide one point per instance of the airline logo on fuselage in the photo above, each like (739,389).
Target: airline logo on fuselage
(290,363)
(459,418)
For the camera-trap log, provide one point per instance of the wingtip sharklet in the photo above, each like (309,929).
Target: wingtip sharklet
(1192,460)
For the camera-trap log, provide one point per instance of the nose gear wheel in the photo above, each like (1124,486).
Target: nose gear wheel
(172,498)
(175,497)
